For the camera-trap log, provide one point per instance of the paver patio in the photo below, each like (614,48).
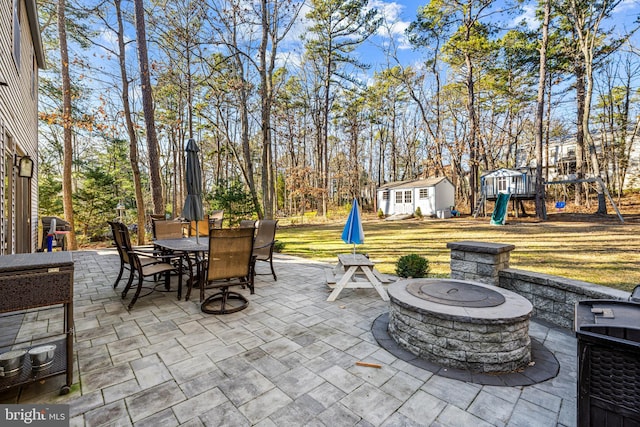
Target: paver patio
(287,360)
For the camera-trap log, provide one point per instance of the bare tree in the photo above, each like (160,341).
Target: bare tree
(133,139)
(148,108)
(67,189)
(540,198)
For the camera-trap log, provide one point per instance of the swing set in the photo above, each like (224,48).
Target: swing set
(560,205)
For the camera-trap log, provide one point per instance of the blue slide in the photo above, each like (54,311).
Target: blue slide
(500,210)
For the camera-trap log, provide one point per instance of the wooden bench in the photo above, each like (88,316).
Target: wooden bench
(331,278)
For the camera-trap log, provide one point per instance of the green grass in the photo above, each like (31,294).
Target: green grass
(605,253)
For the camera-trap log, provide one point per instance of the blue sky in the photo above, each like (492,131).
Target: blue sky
(398,15)
(401,13)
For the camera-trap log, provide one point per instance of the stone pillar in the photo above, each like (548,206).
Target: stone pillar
(479,261)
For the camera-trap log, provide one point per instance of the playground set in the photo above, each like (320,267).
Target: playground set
(517,185)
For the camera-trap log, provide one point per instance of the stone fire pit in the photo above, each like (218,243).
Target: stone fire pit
(461,324)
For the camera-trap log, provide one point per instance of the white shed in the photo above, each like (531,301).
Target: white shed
(430,195)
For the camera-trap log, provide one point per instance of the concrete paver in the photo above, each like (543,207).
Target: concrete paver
(286,360)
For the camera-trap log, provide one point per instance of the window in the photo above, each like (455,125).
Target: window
(424,193)
(407,196)
(385,195)
(503,184)
(16,33)
(398,196)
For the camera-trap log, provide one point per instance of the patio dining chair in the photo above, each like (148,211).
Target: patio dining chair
(140,263)
(247,223)
(202,227)
(265,240)
(123,245)
(168,230)
(230,263)
(215,219)
(160,266)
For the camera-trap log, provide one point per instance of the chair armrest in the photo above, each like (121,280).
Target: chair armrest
(146,250)
(158,256)
(271,243)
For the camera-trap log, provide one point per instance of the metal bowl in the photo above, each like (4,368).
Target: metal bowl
(11,362)
(42,357)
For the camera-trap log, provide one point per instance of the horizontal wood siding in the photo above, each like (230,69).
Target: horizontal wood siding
(18,103)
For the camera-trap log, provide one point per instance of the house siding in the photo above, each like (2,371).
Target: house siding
(18,119)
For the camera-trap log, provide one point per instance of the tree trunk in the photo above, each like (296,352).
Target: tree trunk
(540,193)
(595,163)
(133,140)
(473,139)
(67,189)
(268,182)
(148,108)
(580,167)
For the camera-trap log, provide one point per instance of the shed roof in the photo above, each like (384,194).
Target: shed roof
(414,183)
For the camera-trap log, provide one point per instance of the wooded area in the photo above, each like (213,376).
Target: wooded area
(291,116)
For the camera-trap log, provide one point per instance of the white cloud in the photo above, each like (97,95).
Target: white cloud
(528,16)
(393,27)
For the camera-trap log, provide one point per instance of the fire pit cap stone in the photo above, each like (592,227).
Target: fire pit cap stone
(514,308)
(482,247)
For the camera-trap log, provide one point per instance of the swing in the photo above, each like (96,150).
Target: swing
(561,204)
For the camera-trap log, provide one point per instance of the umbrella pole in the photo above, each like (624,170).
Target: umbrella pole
(197,234)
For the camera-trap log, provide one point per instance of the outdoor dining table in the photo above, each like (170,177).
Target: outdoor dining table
(184,248)
(353,265)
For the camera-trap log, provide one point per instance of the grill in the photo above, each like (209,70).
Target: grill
(608,363)
(47,228)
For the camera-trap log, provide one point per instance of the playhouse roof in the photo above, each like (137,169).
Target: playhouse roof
(502,172)
(414,183)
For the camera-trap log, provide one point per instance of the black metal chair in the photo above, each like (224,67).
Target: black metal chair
(265,240)
(140,263)
(122,241)
(230,263)
(144,270)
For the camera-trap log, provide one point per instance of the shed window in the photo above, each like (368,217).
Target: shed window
(398,196)
(407,196)
(385,195)
(424,193)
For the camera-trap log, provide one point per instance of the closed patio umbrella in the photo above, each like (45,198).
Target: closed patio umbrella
(192,210)
(352,232)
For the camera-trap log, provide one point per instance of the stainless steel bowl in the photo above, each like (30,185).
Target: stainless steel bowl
(42,356)
(11,362)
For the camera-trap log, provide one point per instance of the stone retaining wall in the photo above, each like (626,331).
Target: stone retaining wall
(553,297)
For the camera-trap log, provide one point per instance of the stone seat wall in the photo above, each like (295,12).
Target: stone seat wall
(553,297)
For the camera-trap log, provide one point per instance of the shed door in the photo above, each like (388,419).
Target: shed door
(404,201)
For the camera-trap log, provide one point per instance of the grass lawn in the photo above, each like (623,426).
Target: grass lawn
(605,252)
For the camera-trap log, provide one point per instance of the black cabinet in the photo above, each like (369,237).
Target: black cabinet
(608,333)
(39,281)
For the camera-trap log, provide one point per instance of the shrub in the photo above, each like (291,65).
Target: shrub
(412,265)
(380,214)
(278,246)
(418,212)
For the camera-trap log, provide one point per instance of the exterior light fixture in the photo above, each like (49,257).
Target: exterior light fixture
(25,166)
